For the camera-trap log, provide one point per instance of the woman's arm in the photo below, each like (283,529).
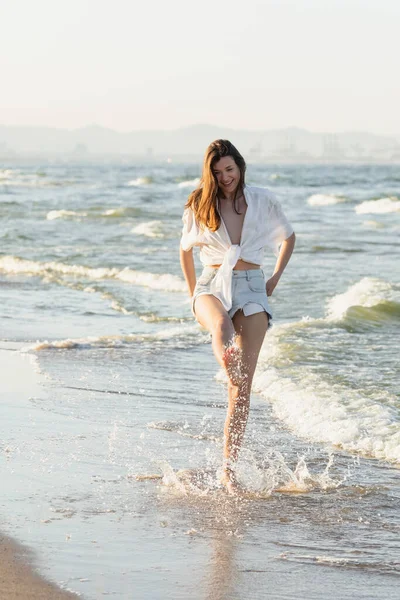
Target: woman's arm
(189,272)
(284,255)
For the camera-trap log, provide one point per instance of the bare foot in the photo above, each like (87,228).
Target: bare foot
(228,479)
(232,361)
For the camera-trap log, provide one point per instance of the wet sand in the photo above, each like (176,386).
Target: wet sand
(19,581)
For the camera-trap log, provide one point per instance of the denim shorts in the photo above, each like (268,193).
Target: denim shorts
(248,291)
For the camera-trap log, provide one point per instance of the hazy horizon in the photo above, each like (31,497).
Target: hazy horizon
(288,144)
(323,66)
(189,125)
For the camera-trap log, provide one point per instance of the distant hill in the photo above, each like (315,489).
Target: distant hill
(292,143)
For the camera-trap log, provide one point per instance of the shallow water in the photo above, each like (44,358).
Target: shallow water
(112,460)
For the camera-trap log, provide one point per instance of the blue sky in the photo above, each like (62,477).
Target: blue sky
(327,65)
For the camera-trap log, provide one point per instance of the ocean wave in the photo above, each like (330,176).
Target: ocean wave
(378,207)
(121,211)
(389,567)
(29,183)
(165,281)
(191,183)
(345,416)
(149,229)
(324,200)
(369,298)
(180,337)
(338,415)
(322,248)
(95,213)
(360,318)
(61,214)
(140,181)
(6,173)
(154,318)
(13,178)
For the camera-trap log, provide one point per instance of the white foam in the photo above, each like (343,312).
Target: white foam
(114,212)
(279,476)
(378,207)
(191,183)
(256,481)
(324,200)
(165,281)
(139,181)
(341,416)
(16,179)
(367,292)
(314,408)
(66,344)
(149,229)
(61,214)
(184,332)
(6,173)
(111,212)
(120,211)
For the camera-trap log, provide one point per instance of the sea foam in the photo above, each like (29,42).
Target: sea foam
(140,181)
(191,183)
(61,214)
(310,405)
(338,415)
(378,207)
(368,292)
(164,281)
(324,200)
(149,229)
(178,336)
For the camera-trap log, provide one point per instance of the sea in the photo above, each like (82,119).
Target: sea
(112,430)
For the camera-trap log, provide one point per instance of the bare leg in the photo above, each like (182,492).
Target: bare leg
(212,316)
(250,336)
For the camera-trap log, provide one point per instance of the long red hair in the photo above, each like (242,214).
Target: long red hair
(203,200)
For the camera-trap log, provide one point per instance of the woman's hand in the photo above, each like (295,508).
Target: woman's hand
(272,283)
(284,254)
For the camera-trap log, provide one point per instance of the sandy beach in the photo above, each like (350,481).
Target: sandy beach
(18,580)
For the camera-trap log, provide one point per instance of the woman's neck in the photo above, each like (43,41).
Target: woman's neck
(230,197)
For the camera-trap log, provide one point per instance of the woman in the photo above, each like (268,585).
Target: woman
(232,223)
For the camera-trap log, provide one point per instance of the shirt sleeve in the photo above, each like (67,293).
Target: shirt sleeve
(279,227)
(190,230)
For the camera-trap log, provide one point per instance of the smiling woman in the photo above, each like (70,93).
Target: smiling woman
(232,223)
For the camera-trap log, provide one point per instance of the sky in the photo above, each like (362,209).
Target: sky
(322,65)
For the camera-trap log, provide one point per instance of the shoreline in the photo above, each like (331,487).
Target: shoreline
(19,579)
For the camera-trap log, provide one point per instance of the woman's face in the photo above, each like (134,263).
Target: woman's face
(227,174)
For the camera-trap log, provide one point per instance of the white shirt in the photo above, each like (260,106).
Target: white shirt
(264,225)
